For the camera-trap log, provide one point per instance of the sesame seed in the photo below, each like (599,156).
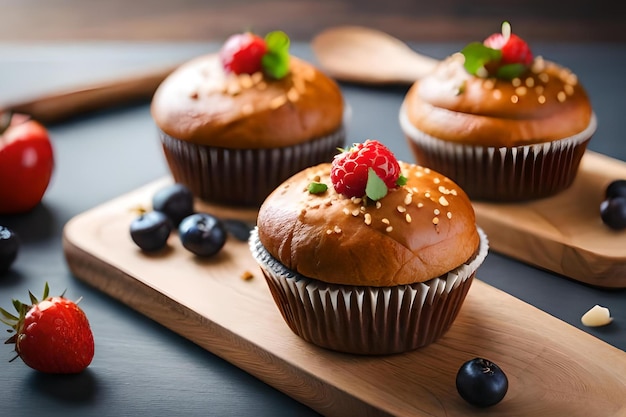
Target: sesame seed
(329,232)
(420,205)
(368,219)
(437,212)
(356,212)
(544,77)
(233,88)
(572,79)
(514,98)
(407,217)
(569,89)
(256,77)
(278,101)
(378,204)
(245,80)
(541,99)
(293,95)
(427,170)
(356,200)
(337,229)
(449,214)
(516,82)
(489,84)
(521,91)
(385,220)
(346,211)
(401,209)
(453,192)
(530,82)
(561,96)
(539,89)
(436,180)
(388,229)
(427,194)
(443,201)
(408,198)
(435,220)
(497,94)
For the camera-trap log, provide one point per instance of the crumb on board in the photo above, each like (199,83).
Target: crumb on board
(247,275)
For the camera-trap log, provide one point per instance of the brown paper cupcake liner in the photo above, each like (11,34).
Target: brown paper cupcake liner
(367,320)
(243,177)
(502,174)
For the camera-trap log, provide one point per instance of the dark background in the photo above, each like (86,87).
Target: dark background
(421,20)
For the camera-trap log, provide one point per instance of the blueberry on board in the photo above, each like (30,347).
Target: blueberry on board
(9,246)
(613,212)
(616,188)
(202,234)
(481,382)
(175,200)
(151,230)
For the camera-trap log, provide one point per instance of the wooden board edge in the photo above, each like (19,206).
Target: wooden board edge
(267,367)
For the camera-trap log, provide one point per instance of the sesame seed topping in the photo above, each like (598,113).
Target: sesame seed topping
(521,91)
(436,180)
(539,89)
(245,80)
(378,204)
(356,212)
(435,220)
(233,88)
(561,96)
(346,211)
(278,101)
(293,95)
(449,214)
(329,232)
(443,201)
(572,79)
(388,229)
(385,220)
(356,200)
(427,194)
(530,82)
(514,98)
(408,198)
(544,77)
(489,84)
(541,99)
(337,229)
(407,217)
(569,89)
(420,205)
(256,77)
(401,209)
(436,212)
(497,94)
(516,82)
(368,219)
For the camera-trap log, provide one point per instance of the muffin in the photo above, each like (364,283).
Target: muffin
(378,271)
(504,125)
(235,124)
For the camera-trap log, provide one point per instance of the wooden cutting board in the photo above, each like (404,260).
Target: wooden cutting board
(554,369)
(564,233)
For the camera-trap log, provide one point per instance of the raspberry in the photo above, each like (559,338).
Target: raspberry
(242,53)
(349,170)
(514,49)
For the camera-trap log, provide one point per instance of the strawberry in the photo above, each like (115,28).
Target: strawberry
(514,49)
(52,335)
(242,53)
(363,165)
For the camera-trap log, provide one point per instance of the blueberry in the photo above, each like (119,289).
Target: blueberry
(151,230)
(175,200)
(616,188)
(239,229)
(613,212)
(481,382)
(9,246)
(202,234)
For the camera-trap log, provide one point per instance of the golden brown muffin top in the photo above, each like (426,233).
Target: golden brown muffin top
(545,104)
(201,103)
(418,231)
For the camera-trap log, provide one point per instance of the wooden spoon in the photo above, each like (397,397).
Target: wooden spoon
(362,55)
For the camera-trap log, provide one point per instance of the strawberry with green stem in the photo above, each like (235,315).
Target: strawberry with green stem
(52,335)
(247,53)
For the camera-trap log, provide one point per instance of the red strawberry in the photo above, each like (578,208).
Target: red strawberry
(514,49)
(242,53)
(52,335)
(350,169)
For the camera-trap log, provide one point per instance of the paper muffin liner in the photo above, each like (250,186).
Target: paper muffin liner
(243,177)
(502,173)
(367,320)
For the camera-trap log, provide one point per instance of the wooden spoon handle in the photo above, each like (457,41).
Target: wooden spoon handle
(59,106)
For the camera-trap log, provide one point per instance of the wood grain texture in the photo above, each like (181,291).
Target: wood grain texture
(564,233)
(554,369)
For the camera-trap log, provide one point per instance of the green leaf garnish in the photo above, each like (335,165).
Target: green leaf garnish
(276,60)
(375,189)
(478,55)
(401,180)
(317,187)
(510,71)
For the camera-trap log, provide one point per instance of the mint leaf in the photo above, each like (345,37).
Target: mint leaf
(317,187)
(401,180)
(276,60)
(510,71)
(477,55)
(375,188)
